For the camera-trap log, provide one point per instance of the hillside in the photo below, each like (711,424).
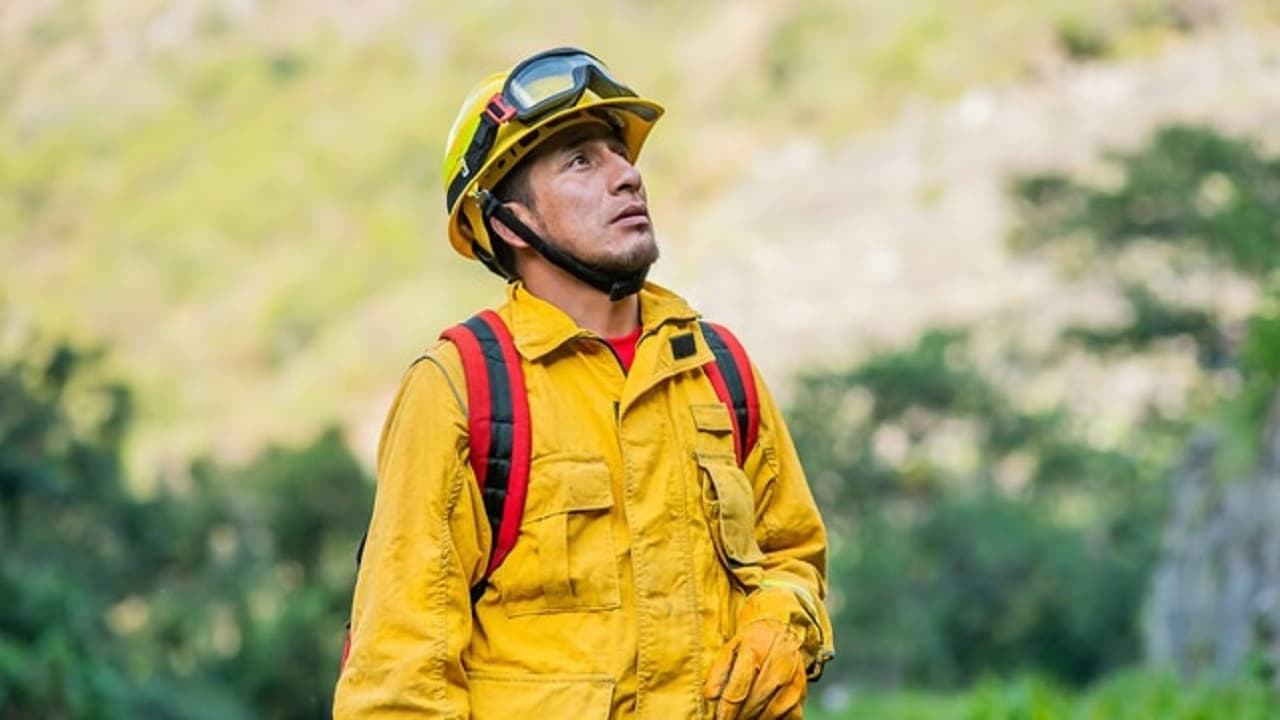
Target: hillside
(873,239)
(240,200)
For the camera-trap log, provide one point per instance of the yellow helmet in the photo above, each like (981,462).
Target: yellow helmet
(507,115)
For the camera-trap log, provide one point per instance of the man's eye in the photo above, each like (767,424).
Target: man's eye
(577,159)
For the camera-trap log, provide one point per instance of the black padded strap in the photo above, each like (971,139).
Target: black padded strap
(501,424)
(733,381)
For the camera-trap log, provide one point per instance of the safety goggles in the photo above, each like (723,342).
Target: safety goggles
(549,81)
(552,80)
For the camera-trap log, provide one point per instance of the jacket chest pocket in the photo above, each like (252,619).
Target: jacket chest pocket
(729,505)
(564,558)
(727,500)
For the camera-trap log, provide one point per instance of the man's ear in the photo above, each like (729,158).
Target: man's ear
(505,233)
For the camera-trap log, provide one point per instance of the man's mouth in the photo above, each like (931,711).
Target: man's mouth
(633,214)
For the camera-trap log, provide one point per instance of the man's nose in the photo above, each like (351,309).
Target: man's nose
(626,177)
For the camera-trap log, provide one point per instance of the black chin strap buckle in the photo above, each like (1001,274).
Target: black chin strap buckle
(487,202)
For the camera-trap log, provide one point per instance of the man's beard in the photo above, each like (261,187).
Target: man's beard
(636,258)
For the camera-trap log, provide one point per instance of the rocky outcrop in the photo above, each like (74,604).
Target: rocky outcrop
(1214,607)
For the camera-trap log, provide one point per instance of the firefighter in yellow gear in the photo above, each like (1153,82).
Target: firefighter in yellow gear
(658,571)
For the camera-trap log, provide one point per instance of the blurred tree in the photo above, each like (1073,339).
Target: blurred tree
(949,568)
(301,513)
(66,557)
(224,599)
(1192,191)
(1196,203)
(974,536)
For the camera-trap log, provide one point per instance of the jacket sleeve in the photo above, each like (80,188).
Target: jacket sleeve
(789,530)
(427,544)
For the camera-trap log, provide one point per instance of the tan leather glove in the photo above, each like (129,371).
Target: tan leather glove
(760,673)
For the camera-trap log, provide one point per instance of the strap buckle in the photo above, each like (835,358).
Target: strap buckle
(498,110)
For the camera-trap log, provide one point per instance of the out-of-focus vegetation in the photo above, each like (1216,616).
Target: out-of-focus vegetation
(223,598)
(1194,213)
(1125,696)
(975,536)
(979,532)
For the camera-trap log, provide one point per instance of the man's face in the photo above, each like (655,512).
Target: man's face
(588,199)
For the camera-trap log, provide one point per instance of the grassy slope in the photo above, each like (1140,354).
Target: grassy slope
(1124,696)
(246,207)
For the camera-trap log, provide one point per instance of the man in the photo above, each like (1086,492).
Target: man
(660,567)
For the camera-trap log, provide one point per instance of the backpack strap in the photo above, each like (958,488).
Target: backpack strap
(498,421)
(735,385)
(499,429)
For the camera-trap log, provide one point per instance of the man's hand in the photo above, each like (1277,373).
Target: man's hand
(758,674)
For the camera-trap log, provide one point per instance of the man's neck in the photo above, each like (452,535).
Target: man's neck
(590,309)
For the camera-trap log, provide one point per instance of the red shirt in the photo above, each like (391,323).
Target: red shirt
(625,347)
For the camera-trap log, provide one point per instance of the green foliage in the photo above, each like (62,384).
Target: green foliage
(222,599)
(1191,206)
(1191,189)
(1242,415)
(1029,548)
(1128,695)
(1260,352)
(1153,320)
(67,527)
(976,536)
(945,570)
(1082,39)
(1204,202)
(987,583)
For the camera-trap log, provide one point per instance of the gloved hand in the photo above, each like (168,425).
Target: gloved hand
(760,673)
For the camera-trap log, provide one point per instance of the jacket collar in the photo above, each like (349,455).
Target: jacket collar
(539,327)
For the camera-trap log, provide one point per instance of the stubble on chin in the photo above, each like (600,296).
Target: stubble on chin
(633,258)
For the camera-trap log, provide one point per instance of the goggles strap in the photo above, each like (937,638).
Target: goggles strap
(481,143)
(614,285)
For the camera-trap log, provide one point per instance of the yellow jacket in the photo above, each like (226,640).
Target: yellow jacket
(640,544)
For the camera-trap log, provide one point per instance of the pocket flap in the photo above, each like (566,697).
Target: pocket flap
(567,483)
(737,511)
(712,417)
(520,696)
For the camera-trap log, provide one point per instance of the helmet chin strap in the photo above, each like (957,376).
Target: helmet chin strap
(616,285)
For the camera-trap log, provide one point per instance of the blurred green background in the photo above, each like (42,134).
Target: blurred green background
(1012,267)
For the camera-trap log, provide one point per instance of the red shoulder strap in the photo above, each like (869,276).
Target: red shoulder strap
(735,385)
(498,421)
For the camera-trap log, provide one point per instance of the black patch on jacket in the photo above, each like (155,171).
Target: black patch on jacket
(682,346)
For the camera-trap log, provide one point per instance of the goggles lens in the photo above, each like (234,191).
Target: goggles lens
(555,79)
